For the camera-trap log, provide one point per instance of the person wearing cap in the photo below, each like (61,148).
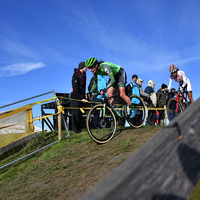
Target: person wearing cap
(78,95)
(161,102)
(151,119)
(143,94)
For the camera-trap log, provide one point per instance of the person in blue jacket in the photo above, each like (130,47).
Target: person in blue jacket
(101,84)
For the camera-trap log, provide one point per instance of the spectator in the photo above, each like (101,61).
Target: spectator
(151,119)
(101,84)
(132,87)
(91,95)
(171,95)
(161,102)
(134,78)
(78,92)
(143,94)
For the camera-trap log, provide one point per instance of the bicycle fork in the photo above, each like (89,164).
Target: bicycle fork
(179,104)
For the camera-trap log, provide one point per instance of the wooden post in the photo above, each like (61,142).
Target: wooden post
(59,120)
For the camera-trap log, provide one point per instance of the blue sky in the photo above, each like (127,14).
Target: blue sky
(42,41)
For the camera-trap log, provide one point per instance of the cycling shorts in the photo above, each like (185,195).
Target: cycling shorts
(120,78)
(188,87)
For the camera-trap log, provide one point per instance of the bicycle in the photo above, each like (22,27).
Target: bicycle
(101,119)
(175,106)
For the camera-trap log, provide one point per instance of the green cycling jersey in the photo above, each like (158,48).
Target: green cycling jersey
(106,69)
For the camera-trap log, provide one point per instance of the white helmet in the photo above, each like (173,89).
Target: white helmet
(173,68)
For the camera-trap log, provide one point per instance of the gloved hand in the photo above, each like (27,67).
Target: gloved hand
(103,91)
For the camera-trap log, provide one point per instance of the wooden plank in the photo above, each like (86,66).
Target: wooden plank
(166,167)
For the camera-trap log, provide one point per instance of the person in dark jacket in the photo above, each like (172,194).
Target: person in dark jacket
(78,93)
(171,94)
(151,118)
(161,102)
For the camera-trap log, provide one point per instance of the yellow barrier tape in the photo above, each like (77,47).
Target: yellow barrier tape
(82,110)
(140,108)
(147,108)
(79,100)
(61,109)
(74,108)
(44,117)
(152,108)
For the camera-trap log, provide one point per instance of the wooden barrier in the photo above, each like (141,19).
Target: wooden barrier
(166,167)
(59,120)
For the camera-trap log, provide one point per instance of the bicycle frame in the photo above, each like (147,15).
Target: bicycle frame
(113,108)
(101,120)
(177,97)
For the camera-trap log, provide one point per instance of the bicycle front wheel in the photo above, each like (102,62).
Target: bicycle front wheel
(173,109)
(137,116)
(101,123)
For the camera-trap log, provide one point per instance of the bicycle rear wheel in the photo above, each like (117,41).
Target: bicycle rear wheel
(136,117)
(172,110)
(101,123)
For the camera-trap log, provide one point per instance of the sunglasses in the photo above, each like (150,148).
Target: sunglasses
(91,67)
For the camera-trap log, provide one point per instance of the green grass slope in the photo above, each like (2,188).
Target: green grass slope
(71,167)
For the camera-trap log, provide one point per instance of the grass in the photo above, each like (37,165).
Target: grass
(24,148)
(196,192)
(71,167)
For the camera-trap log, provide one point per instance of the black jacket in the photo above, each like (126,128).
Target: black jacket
(161,98)
(78,85)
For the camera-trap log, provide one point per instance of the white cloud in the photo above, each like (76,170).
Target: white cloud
(20,68)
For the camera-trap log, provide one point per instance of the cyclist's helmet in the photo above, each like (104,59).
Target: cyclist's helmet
(173,68)
(90,62)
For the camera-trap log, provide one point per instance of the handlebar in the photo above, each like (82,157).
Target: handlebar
(104,96)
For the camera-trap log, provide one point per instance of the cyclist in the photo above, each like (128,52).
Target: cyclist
(184,82)
(116,74)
